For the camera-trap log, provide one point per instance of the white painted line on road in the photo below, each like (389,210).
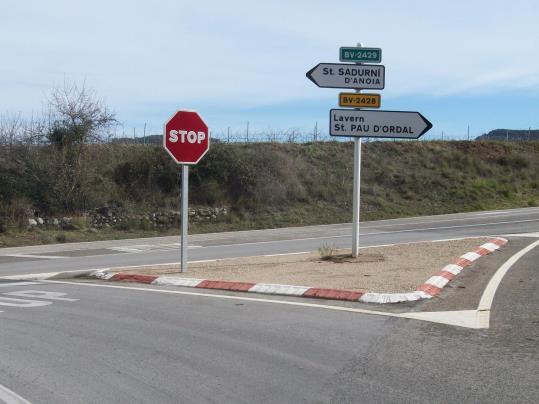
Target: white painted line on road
(338,226)
(39,294)
(533,235)
(232,297)
(50,257)
(6,285)
(125,249)
(475,319)
(10,397)
(34,277)
(377,233)
(139,248)
(292,253)
(488,295)
(466,318)
(493,213)
(12,302)
(460,318)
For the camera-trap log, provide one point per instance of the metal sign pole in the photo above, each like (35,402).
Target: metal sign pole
(357,190)
(184,215)
(356,201)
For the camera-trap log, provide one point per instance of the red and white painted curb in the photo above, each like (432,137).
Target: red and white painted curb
(432,287)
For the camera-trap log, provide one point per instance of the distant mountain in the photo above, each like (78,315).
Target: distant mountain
(510,134)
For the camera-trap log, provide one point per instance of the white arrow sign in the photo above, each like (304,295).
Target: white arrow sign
(390,124)
(344,75)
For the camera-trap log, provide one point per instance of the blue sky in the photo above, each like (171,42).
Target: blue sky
(459,63)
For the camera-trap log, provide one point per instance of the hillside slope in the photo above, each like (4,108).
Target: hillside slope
(511,135)
(269,185)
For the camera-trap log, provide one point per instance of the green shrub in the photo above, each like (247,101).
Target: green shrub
(514,161)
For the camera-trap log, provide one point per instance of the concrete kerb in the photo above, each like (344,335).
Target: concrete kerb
(82,273)
(51,275)
(431,288)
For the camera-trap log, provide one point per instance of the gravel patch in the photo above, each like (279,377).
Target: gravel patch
(398,268)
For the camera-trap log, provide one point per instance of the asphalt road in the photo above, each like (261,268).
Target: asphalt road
(103,254)
(91,342)
(128,346)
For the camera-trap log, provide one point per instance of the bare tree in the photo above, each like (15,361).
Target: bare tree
(78,116)
(11,129)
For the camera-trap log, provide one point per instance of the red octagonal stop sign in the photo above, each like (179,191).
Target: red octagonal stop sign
(186,137)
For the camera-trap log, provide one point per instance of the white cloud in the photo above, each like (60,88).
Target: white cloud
(257,52)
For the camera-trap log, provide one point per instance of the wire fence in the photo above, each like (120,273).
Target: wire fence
(293,136)
(14,129)
(297,135)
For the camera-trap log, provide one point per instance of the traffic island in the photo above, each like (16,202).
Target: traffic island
(386,274)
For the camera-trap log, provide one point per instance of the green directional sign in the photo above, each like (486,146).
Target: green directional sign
(360,55)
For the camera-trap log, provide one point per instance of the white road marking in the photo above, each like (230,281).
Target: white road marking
(232,297)
(292,253)
(32,294)
(460,318)
(150,247)
(49,257)
(6,285)
(12,302)
(479,318)
(375,233)
(125,249)
(488,295)
(10,397)
(35,277)
(365,225)
(38,294)
(533,235)
(493,213)
(465,318)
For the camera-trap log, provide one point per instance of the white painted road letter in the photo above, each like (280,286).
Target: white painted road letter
(8,301)
(38,294)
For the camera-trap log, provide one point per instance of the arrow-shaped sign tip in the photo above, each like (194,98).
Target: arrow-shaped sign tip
(309,74)
(427,122)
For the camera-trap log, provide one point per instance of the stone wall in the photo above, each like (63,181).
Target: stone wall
(106,216)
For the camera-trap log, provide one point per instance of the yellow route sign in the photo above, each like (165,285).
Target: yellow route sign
(359,100)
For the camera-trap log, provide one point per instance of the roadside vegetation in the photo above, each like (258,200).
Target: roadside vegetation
(263,185)
(67,168)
